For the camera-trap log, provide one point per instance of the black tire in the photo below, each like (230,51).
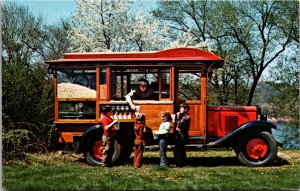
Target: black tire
(81,80)
(94,158)
(126,138)
(256,148)
(125,153)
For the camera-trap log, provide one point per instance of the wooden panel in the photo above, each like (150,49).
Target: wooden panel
(103,91)
(195,118)
(152,113)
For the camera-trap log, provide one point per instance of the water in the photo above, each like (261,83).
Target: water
(287,135)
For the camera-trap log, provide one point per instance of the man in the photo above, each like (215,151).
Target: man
(182,124)
(108,138)
(141,93)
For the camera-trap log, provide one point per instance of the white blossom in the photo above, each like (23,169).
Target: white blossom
(109,25)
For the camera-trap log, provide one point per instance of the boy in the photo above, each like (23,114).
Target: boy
(139,141)
(108,138)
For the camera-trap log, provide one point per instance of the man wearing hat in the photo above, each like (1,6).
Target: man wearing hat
(141,93)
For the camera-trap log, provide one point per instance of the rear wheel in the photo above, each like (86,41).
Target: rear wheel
(94,153)
(256,148)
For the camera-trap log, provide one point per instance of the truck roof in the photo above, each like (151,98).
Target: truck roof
(175,54)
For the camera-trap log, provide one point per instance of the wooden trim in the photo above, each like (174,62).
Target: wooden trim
(203,113)
(108,82)
(172,84)
(77,121)
(126,120)
(98,83)
(55,99)
(176,85)
(159,84)
(76,99)
(75,67)
(193,101)
(144,102)
(98,70)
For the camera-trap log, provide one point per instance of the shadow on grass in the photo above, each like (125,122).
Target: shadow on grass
(198,161)
(212,161)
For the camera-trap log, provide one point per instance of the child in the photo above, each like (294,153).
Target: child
(139,141)
(182,125)
(163,134)
(108,138)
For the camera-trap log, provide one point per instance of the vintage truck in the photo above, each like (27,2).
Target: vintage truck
(86,82)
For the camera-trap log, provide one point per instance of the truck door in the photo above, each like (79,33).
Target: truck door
(188,90)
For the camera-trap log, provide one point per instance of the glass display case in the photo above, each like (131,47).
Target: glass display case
(77,110)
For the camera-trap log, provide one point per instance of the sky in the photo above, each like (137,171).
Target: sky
(53,10)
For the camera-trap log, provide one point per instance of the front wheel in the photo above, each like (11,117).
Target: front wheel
(94,153)
(256,148)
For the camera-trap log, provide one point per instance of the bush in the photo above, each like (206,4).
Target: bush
(15,142)
(27,108)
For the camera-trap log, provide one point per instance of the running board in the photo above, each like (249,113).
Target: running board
(196,146)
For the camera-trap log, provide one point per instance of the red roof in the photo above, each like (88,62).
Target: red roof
(178,54)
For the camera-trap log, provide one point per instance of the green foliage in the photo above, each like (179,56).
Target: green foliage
(20,33)
(13,142)
(206,170)
(27,90)
(284,102)
(27,101)
(247,35)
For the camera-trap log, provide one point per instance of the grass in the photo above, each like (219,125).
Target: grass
(207,170)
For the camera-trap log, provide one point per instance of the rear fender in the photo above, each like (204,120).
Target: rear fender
(230,138)
(95,129)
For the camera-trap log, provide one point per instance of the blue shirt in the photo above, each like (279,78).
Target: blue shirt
(165,126)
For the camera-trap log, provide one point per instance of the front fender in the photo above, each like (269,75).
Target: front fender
(95,129)
(252,125)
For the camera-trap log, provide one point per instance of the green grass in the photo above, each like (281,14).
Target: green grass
(209,170)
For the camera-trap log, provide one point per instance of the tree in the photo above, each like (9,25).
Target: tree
(284,81)
(20,29)
(55,42)
(26,38)
(254,26)
(107,25)
(248,33)
(27,92)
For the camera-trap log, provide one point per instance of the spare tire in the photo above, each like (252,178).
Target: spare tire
(81,80)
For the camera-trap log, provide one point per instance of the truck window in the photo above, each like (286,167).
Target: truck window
(165,84)
(76,83)
(189,86)
(103,85)
(122,81)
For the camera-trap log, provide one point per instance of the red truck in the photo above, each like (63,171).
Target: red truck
(86,82)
